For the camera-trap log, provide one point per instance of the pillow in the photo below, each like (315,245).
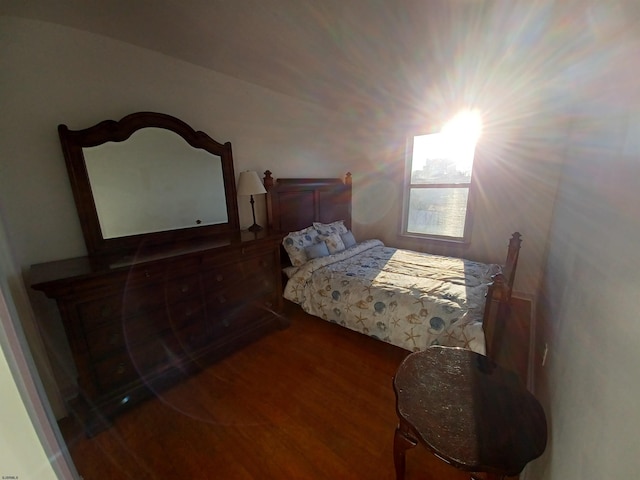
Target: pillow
(290,271)
(334,243)
(329,228)
(295,243)
(317,250)
(348,239)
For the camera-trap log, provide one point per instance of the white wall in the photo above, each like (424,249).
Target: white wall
(21,452)
(590,384)
(30,444)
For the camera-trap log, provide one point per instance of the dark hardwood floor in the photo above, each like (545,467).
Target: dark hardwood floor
(313,401)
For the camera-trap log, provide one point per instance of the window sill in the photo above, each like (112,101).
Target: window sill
(441,246)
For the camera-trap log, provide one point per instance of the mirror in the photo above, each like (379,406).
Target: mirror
(146,185)
(149,179)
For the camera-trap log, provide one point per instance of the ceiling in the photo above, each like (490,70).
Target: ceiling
(356,56)
(339,53)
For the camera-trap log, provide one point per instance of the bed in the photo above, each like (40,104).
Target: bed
(406,298)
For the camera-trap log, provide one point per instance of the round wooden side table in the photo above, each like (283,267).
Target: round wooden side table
(468,411)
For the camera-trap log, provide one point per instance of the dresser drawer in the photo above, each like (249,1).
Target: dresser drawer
(127,332)
(253,249)
(146,273)
(195,336)
(223,275)
(115,371)
(244,282)
(139,300)
(242,315)
(245,269)
(152,358)
(96,313)
(179,289)
(220,298)
(185,313)
(252,265)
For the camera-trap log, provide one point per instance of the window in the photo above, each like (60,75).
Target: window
(438,180)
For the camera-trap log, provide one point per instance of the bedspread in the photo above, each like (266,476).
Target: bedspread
(410,299)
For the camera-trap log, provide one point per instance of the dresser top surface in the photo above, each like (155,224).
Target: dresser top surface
(86,266)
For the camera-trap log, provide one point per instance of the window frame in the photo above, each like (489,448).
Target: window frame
(407,187)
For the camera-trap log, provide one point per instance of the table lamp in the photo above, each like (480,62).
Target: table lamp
(250,184)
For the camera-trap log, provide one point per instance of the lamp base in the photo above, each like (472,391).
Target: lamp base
(255,228)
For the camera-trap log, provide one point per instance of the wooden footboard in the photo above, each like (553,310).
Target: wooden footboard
(498,302)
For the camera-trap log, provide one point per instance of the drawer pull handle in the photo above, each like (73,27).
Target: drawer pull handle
(120,369)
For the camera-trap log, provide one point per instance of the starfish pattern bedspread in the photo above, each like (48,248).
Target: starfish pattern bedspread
(409,299)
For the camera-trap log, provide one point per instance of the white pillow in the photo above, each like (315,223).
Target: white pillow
(296,242)
(334,243)
(329,228)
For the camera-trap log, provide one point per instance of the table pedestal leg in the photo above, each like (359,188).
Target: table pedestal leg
(401,443)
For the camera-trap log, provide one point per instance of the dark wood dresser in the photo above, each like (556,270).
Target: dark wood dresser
(145,321)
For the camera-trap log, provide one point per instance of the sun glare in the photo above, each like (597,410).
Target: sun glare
(461,134)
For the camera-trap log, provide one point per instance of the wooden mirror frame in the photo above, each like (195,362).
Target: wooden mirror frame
(73,141)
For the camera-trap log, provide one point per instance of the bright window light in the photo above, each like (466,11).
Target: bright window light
(439,179)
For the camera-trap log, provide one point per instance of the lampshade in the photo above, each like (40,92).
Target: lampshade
(250,184)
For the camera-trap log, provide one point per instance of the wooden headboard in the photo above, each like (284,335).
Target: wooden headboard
(295,203)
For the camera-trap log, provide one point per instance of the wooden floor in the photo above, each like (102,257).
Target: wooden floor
(313,401)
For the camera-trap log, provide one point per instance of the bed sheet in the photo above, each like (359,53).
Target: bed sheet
(406,298)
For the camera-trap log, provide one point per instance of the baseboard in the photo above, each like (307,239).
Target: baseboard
(532,338)
(524,475)
(524,296)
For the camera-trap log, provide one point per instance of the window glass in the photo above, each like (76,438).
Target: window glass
(438,211)
(438,180)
